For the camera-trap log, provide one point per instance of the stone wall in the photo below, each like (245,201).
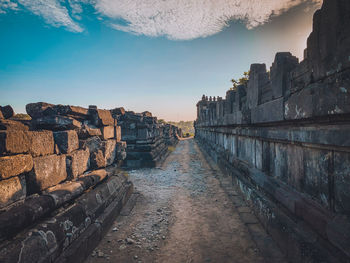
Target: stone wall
(284,138)
(61,182)
(147,140)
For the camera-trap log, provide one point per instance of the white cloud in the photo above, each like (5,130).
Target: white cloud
(53,12)
(175,19)
(7,4)
(189,19)
(75,6)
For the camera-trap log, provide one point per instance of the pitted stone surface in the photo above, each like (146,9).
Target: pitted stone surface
(48,171)
(15,165)
(12,189)
(67,141)
(78,162)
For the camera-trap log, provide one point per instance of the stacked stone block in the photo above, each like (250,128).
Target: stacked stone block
(59,180)
(147,140)
(284,139)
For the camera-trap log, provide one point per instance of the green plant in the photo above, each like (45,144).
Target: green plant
(241,81)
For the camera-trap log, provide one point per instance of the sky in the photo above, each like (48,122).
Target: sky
(154,55)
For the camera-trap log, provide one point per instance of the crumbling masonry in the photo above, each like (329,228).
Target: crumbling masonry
(284,139)
(61,185)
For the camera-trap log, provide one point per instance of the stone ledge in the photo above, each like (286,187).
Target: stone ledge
(278,206)
(335,135)
(57,236)
(17,218)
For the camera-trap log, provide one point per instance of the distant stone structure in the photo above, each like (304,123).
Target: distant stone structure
(147,140)
(284,138)
(61,183)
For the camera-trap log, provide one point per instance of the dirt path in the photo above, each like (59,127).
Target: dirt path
(185,211)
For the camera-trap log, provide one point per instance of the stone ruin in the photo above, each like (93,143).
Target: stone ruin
(61,177)
(284,139)
(147,140)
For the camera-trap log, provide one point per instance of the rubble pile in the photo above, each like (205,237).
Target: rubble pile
(60,183)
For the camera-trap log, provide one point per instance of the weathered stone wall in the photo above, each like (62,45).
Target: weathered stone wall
(60,182)
(285,140)
(147,140)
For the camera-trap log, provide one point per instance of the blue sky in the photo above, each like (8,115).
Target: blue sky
(110,54)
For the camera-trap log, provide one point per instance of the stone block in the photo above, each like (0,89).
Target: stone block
(41,143)
(118,133)
(90,179)
(7,111)
(271,111)
(320,99)
(97,160)
(110,151)
(259,154)
(266,157)
(246,149)
(36,143)
(316,169)
(64,192)
(129,134)
(101,117)
(14,142)
(328,44)
(11,125)
(256,80)
(280,70)
(280,169)
(88,131)
(117,112)
(301,76)
(75,112)
(39,109)
(48,171)
(46,240)
(107,132)
(78,162)
(56,123)
(12,190)
(15,165)
(80,249)
(19,217)
(266,92)
(300,105)
(67,141)
(1,116)
(95,200)
(237,117)
(342,182)
(295,162)
(147,114)
(142,134)
(121,150)
(93,144)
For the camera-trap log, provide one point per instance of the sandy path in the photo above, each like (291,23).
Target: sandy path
(182,212)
